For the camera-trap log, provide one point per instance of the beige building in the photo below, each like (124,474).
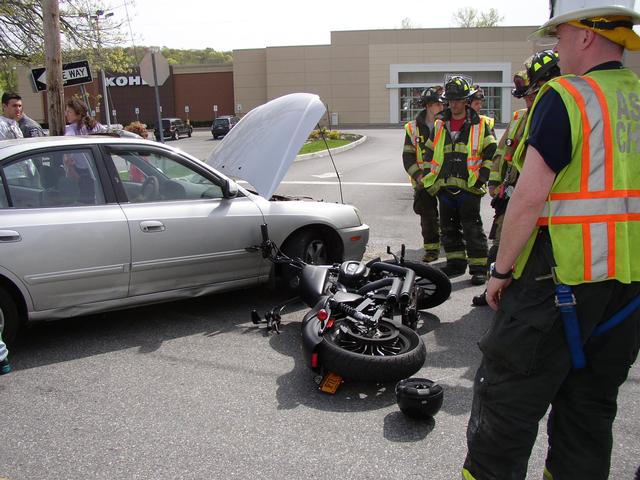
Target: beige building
(371,76)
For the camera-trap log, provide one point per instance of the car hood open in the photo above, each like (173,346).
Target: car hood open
(263,145)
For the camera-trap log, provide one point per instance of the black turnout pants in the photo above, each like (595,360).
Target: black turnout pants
(526,367)
(461,229)
(426,206)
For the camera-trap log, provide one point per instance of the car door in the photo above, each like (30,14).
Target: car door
(61,232)
(184,232)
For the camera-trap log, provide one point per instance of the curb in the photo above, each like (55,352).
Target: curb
(325,153)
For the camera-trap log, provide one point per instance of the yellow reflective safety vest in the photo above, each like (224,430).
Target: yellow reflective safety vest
(474,159)
(508,144)
(411,128)
(489,121)
(593,209)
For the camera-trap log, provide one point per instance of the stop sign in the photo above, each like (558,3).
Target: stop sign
(162,69)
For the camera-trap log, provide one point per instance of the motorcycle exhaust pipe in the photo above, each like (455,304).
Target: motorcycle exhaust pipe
(407,287)
(394,291)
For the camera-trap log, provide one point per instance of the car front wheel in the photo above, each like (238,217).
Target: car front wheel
(9,319)
(176,135)
(309,246)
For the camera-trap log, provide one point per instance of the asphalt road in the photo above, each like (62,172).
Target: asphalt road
(192,390)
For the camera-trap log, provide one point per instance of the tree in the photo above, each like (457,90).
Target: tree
(408,23)
(22,34)
(470,17)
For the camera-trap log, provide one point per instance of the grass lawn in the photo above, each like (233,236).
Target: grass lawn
(319,145)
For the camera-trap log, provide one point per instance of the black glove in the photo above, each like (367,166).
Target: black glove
(483,176)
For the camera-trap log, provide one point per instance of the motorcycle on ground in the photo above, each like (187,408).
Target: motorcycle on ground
(362,318)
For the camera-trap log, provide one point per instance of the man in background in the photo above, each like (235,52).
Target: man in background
(12,108)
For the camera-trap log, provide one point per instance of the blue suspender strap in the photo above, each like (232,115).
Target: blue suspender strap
(617,318)
(566,302)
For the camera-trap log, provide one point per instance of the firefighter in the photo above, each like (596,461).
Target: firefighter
(541,67)
(476,102)
(459,151)
(566,283)
(425,205)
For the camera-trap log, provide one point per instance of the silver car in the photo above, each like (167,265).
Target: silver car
(90,224)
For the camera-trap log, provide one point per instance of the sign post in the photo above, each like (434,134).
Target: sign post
(154,69)
(215,112)
(186,110)
(137,112)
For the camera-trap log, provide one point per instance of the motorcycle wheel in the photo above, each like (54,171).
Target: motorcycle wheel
(435,286)
(395,353)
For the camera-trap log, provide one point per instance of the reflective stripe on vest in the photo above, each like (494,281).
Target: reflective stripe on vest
(412,129)
(596,206)
(518,115)
(438,148)
(474,149)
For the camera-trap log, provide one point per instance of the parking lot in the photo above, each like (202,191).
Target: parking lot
(193,390)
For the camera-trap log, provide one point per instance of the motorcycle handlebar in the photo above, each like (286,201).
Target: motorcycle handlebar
(408,276)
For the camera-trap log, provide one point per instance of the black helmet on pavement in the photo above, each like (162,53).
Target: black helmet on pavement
(520,84)
(541,67)
(431,95)
(456,88)
(419,397)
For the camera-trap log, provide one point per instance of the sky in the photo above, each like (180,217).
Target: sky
(237,24)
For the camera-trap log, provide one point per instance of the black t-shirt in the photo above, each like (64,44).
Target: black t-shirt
(550,131)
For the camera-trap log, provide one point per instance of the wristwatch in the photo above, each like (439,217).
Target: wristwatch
(496,274)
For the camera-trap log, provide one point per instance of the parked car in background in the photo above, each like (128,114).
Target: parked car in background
(222,125)
(97,223)
(174,128)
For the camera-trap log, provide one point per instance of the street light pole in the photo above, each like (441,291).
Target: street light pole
(96,17)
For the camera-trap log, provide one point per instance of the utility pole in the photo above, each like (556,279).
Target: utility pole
(53,64)
(96,17)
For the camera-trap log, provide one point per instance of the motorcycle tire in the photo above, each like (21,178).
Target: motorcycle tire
(362,361)
(435,285)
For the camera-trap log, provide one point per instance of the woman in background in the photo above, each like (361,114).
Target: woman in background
(78,119)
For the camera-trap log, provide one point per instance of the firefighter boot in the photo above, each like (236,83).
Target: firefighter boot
(480,300)
(430,256)
(454,268)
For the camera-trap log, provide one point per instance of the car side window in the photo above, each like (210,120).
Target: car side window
(53,179)
(154,177)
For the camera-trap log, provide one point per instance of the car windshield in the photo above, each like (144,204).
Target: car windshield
(221,122)
(166,123)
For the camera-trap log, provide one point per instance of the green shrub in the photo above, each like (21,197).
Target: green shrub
(334,135)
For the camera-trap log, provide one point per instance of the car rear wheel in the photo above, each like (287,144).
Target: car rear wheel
(9,318)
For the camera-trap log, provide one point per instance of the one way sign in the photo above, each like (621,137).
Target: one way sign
(74,73)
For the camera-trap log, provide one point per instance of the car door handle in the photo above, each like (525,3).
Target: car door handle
(152,226)
(9,236)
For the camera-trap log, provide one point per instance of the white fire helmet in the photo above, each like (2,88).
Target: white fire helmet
(563,11)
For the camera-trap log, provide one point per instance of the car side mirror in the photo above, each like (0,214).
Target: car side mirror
(230,189)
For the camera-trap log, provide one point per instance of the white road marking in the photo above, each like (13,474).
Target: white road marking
(364,184)
(326,175)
